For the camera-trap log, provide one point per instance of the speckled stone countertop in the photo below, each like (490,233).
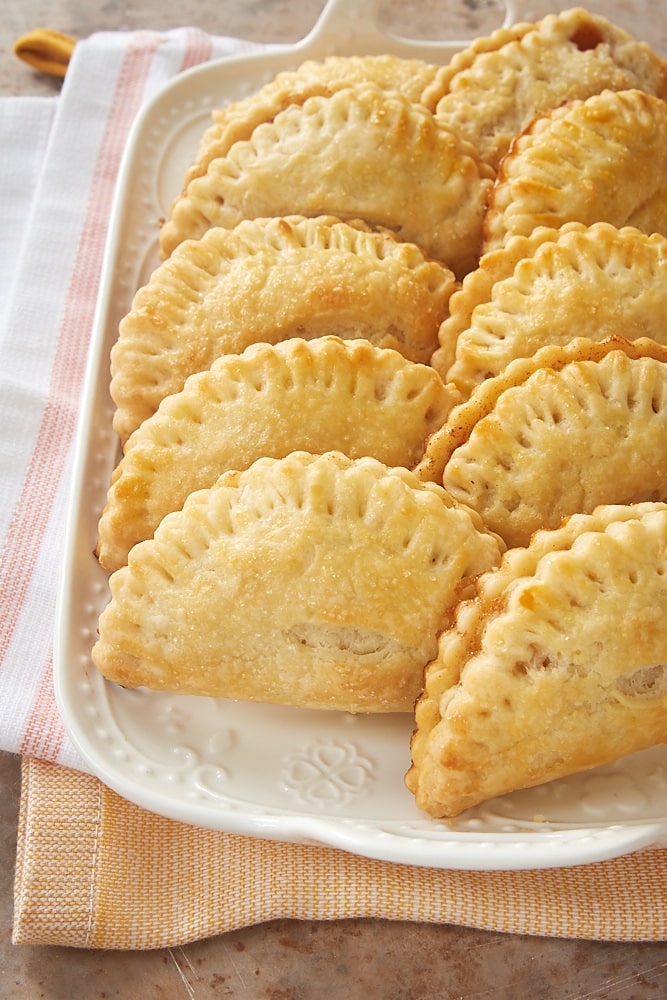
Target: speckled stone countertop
(288,959)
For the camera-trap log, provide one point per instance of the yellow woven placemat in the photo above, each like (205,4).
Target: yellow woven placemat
(95,871)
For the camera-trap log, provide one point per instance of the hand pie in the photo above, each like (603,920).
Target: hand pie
(360,153)
(585,281)
(557,434)
(236,120)
(319,395)
(268,280)
(494,89)
(599,160)
(314,581)
(556,666)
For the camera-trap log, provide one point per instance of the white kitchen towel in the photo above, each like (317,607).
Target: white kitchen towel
(57,179)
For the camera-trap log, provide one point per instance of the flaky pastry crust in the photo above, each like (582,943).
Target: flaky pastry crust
(603,159)
(314,581)
(268,280)
(316,396)
(313,78)
(547,288)
(559,433)
(556,666)
(492,90)
(354,154)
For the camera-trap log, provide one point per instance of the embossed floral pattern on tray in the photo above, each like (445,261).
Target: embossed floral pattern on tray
(327,775)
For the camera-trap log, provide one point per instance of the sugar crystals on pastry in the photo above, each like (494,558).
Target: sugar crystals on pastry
(315,581)
(603,159)
(492,90)
(268,280)
(314,77)
(360,153)
(586,281)
(559,433)
(557,665)
(321,395)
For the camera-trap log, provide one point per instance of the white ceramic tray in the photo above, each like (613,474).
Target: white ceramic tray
(262,770)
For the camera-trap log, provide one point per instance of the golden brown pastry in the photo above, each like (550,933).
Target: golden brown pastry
(268,280)
(316,581)
(314,77)
(494,89)
(360,153)
(546,288)
(556,434)
(599,160)
(559,664)
(320,395)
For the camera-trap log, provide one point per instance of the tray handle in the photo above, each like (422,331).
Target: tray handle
(355,19)
(348,17)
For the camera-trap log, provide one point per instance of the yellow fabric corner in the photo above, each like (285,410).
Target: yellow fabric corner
(46,50)
(95,871)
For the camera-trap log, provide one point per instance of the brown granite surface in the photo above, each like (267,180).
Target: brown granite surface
(289,960)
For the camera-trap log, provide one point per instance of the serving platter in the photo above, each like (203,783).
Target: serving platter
(261,770)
